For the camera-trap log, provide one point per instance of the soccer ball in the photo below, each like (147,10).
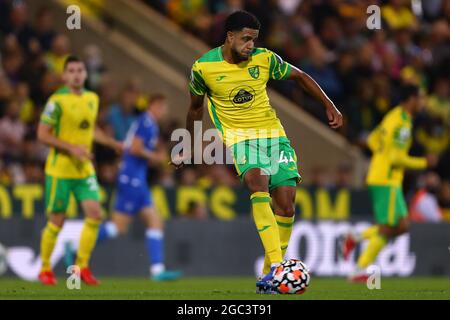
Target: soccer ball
(291,277)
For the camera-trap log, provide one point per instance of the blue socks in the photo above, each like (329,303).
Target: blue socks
(154,240)
(108,230)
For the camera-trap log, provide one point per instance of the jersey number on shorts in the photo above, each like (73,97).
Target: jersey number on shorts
(92,182)
(284,159)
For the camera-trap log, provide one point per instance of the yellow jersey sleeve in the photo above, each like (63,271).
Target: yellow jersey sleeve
(398,138)
(278,68)
(400,159)
(374,139)
(52,113)
(197,85)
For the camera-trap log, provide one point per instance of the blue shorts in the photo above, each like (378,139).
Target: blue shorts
(132,196)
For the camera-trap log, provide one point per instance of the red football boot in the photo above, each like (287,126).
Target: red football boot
(47,278)
(88,278)
(360,278)
(348,243)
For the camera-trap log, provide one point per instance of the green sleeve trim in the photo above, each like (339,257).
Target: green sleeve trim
(58,120)
(287,72)
(197,85)
(277,70)
(217,122)
(194,91)
(52,118)
(272,67)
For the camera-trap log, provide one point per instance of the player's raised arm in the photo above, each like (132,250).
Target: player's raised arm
(195,113)
(198,89)
(102,138)
(309,85)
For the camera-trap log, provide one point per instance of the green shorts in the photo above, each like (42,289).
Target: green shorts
(274,156)
(388,204)
(58,190)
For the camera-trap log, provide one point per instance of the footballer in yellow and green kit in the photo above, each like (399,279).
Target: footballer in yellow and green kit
(239,107)
(390,143)
(73,119)
(68,127)
(234,78)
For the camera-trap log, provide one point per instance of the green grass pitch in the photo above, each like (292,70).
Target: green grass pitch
(224,288)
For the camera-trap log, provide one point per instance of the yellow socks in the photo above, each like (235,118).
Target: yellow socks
(376,243)
(284,229)
(267,226)
(48,241)
(88,239)
(369,232)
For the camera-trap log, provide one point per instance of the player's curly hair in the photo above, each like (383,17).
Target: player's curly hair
(241,19)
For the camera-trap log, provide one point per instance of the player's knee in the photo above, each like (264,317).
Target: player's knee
(122,229)
(156,223)
(386,231)
(94,213)
(402,229)
(286,210)
(257,184)
(57,219)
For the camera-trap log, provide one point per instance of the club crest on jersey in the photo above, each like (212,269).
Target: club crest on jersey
(84,124)
(254,72)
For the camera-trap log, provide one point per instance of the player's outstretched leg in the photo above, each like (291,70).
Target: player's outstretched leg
(88,239)
(154,240)
(284,208)
(108,230)
(48,241)
(265,222)
(377,237)
(349,241)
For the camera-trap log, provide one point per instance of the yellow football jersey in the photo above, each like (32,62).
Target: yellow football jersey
(73,120)
(390,143)
(238,103)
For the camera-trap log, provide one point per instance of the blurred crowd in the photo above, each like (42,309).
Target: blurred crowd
(360,69)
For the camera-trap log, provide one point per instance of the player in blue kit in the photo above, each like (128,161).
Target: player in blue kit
(133,195)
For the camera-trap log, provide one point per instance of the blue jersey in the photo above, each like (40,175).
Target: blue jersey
(145,128)
(132,190)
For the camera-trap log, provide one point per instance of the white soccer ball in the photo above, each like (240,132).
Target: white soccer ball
(291,277)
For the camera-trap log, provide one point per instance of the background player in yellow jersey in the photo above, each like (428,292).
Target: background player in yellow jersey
(234,78)
(68,127)
(390,143)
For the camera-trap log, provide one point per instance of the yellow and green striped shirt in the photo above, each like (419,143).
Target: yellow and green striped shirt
(238,103)
(73,120)
(390,143)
